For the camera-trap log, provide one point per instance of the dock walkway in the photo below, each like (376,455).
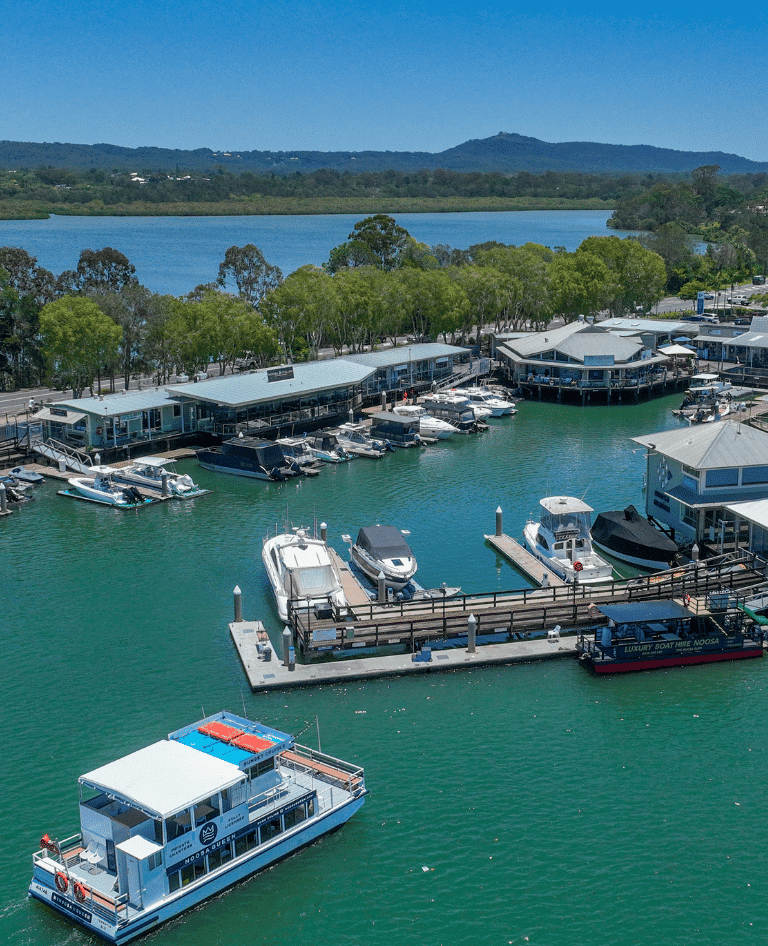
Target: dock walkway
(521,558)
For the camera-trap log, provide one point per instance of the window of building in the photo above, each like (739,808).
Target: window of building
(754,474)
(720,478)
(689,516)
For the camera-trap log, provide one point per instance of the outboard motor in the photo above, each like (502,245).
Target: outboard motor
(297,468)
(277,474)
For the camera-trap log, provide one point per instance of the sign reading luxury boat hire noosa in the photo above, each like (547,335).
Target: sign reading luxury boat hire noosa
(284,373)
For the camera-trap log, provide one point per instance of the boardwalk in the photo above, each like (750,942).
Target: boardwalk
(522,559)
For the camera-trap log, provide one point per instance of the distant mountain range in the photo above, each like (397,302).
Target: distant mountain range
(505,153)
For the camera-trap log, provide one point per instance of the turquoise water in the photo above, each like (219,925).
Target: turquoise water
(549,806)
(175,254)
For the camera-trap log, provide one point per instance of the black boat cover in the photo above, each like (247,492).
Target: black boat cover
(625,530)
(383,542)
(645,612)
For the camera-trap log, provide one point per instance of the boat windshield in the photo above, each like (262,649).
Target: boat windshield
(311,582)
(577,523)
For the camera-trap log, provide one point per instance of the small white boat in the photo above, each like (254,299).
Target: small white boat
(561,540)
(28,476)
(302,574)
(709,413)
(382,550)
(296,449)
(102,488)
(458,399)
(482,397)
(356,439)
(429,426)
(183,819)
(149,472)
(326,447)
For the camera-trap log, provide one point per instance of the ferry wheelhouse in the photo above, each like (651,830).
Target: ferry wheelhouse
(168,826)
(646,635)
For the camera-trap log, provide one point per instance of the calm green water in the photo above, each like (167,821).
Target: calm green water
(551,807)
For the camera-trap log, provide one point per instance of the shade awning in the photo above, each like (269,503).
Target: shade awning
(681,350)
(59,417)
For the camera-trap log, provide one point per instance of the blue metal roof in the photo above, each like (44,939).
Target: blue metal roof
(126,402)
(253,387)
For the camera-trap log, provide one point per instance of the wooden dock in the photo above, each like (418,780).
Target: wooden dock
(522,559)
(272,674)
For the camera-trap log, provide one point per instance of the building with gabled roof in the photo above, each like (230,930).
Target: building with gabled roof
(694,474)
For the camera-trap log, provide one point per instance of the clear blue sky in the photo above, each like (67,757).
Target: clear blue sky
(419,75)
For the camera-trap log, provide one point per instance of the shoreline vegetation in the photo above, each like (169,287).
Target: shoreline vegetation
(287,206)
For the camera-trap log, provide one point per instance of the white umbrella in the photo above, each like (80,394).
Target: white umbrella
(678,350)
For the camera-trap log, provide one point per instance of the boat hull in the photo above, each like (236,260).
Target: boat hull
(638,560)
(673,660)
(246,866)
(397,580)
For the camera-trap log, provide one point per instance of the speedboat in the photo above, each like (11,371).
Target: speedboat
(27,476)
(102,488)
(150,472)
(626,535)
(326,447)
(561,540)
(709,413)
(429,426)
(296,450)
(382,550)
(356,439)
(456,411)
(460,400)
(247,456)
(482,397)
(181,820)
(302,574)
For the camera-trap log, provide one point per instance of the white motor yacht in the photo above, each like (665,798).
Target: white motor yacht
(302,574)
(482,397)
(458,399)
(383,550)
(102,488)
(297,448)
(356,439)
(429,426)
(561,540)
(326,447)
(149,472)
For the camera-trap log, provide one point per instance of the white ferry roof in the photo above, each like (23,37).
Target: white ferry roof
(164,778)
(138,847)
(561,505)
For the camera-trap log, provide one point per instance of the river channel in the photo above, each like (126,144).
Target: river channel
(548,806)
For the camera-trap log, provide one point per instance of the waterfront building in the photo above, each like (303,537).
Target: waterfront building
(579,360)
(755,516)
(695,474)
(417,367)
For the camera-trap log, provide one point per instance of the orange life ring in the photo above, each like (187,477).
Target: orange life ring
(577,567)
(45,841)
(79,890)
(98,431)
(62,882)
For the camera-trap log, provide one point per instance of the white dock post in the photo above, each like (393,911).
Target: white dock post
(3,501)
(383,400)
(381,588)
(287,638)
(471,629)
(351,415)
(695,552)
(238,596)
(499,529)
(324,531)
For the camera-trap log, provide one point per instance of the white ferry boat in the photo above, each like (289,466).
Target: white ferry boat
(164,828)
(562,541)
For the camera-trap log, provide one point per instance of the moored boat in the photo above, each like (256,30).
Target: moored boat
(433,428)
(27,476)
(356,439)
(247,456)
(562,542)
(102,488)
(628,536)
(482,397)
(647,635)
(302,574)
(296,449)
(151,472)
(382,550)
(326,447)
(170,825)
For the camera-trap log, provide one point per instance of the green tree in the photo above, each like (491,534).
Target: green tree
(253,276)
(78,340)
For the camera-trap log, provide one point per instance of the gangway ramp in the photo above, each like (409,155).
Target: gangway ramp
(61,452)
(522,559)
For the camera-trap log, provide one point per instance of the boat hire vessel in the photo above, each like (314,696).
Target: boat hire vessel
(102,488)
(172,824)
(646,635)
(562,542)
(247,456)
(626,535)
(429,426)
(482,397)
(302,574)
(382,550)
(150,472)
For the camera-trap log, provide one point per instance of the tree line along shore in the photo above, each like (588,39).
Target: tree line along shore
(90,325)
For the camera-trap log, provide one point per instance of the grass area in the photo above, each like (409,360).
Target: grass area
(13,210)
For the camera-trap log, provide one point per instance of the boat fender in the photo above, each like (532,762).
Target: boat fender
(62,882)
(686,600)
(79,890)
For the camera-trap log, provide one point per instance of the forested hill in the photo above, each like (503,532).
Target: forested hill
(504,153)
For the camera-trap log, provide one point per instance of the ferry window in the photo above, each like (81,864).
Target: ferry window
(226,853)
(292,818)
(207,810)
(174,882)
(187,875)
(214,860)
(270,829)
(158,831)
(178,825)
(155,860)
(199,868)
(252,838)
(241,846)
(310,807)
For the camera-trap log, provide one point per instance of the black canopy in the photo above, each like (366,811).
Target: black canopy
(382,542)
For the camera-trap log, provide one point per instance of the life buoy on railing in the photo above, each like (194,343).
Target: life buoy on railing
(79,892)
(99,431)
(62,882)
